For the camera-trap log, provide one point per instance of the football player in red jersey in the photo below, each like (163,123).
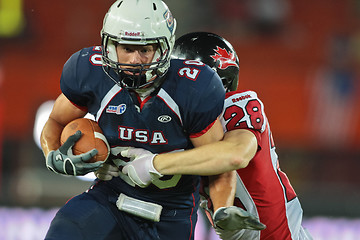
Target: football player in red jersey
(262,189)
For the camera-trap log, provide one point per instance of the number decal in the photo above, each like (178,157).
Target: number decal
(167,183)
(249,117)
(95,59)
(253,108)
(234,114)
(190,73)
(97,48)
(194,62)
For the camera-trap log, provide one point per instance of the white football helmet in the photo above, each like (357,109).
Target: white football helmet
(138,22)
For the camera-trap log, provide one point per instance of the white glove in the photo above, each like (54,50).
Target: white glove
(140,169)
(107,172)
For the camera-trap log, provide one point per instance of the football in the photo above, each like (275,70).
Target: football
(92,137)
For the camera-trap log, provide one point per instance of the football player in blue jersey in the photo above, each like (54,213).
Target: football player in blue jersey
(262,188)
(200,46)
(140,98)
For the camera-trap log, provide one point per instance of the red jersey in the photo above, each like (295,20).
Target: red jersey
(262,188)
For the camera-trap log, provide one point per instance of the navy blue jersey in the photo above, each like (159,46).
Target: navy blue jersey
(184,106)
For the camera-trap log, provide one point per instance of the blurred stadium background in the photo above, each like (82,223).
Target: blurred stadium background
(302,57)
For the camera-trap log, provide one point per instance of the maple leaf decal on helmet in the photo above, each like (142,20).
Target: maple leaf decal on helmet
(225,59)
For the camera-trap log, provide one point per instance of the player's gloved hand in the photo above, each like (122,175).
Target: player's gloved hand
(65,162)
(141,168)
(107,171)
(236,218)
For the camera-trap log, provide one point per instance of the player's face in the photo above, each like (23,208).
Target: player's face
(135,54)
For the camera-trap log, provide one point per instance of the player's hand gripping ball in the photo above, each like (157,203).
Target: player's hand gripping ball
(83,149)
(92,137)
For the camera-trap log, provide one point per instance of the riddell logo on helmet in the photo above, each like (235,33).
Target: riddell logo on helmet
(225,59)
(132,34)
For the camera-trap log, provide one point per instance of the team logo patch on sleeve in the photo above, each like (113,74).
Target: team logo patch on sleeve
(116,109)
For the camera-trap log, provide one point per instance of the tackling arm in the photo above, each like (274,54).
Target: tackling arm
(211,156)
(222,186)
(235,151)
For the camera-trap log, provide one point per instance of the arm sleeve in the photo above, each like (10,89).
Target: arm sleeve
(207,104)
(72,82)
(244,110)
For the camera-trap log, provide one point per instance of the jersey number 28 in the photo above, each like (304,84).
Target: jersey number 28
(250,116)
